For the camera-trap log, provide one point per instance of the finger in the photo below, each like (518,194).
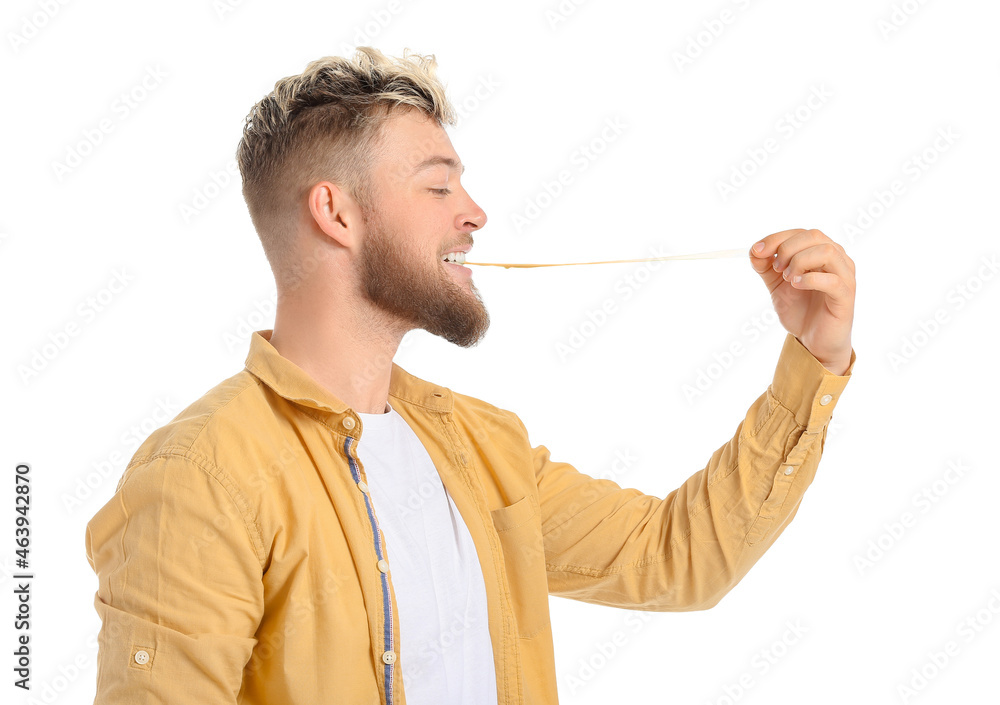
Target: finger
(795,244)
(841,295)
(762,260)
(770,245)
(825,257)
(802,240)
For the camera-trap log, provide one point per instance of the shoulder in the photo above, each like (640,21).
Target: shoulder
(477,417)
(223,434)
(186,470)
(222,416)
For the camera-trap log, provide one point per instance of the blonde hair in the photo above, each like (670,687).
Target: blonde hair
(324,124)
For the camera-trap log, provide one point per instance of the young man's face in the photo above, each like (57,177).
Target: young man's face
(421,212)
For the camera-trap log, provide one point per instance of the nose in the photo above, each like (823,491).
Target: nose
(474,218)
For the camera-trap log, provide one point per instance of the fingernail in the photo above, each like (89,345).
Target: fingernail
(797,278)
(759,246)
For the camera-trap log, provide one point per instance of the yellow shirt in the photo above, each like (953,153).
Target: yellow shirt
(240,560)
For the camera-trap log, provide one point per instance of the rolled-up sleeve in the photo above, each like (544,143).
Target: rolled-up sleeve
(616,546)
(180,594)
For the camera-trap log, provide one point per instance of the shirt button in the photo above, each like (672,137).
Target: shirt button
(362,486)
(348,423)
(383,566)
(825,399)
(789,469)
(141,657)
(463,458)
(389,656)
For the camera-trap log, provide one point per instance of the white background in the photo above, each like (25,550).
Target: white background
(895,77)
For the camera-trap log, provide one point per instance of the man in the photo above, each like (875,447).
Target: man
(263,546)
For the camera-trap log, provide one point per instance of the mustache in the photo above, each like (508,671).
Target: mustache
(462,244)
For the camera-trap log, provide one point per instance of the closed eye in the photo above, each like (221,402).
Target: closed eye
(441,191)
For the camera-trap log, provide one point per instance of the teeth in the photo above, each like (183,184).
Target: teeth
(456,257)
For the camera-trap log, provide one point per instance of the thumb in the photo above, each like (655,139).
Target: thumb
(764,267)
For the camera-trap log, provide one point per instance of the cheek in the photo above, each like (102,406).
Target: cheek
(424,221)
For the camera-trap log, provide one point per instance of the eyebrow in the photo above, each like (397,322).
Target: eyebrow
(437,159)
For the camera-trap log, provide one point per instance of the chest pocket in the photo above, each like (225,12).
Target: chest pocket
(520,531)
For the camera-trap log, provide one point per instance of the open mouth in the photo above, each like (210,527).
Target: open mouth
(455,257)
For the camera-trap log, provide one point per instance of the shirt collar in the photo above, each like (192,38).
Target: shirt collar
(293,383)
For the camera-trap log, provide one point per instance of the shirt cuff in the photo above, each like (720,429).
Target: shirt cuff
(807,389)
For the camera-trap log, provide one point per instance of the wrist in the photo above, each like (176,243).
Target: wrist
(838,367)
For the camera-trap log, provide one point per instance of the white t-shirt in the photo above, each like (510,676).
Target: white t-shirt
(446,654)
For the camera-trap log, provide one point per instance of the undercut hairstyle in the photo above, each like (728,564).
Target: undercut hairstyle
(324,125)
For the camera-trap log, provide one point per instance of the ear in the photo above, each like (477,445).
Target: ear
(335,213)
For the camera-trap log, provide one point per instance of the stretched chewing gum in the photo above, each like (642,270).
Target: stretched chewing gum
(717,254)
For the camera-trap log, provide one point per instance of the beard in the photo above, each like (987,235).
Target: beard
(396,280)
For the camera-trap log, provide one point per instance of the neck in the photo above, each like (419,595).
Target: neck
(347,349)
